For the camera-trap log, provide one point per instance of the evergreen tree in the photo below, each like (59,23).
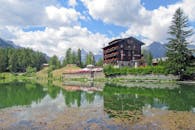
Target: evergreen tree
(17,60)
(54,63)
(148,57)
(178,53)
(3,60)
(73,58)
(90,59)
(68,56)
(13,62)
(79,62)
(100,62)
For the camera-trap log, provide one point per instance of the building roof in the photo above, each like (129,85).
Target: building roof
(119,40)
(115,41)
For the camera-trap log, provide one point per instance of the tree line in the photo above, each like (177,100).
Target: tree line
(74,57)
(17,60)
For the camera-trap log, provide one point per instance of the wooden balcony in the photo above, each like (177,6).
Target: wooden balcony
(111,49)
(111,55)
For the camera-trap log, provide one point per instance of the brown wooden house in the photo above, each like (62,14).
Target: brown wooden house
(123,52)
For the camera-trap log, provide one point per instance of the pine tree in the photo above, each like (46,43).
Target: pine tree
(79,62)
(90,59)
(178,53)
(148,57)
(69,56)
(73,58)
(3,60)
(54,63)
(13,62)
(100,62)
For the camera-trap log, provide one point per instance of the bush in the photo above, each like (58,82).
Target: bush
(111,71)
(30,71)
(189,73)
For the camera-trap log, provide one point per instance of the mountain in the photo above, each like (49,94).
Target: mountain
(6,44)
(157,49)
(98,56)
(191,46)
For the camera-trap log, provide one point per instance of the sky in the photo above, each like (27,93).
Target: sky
(53,26)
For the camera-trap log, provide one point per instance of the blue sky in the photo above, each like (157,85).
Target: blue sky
(110,30)
(52,26)
(155,4)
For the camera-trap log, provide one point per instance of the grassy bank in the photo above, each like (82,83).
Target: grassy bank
(45,73)
(9,77)
(115,75)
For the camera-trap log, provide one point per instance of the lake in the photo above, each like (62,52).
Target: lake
(25,104)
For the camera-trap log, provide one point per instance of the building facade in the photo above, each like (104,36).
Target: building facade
(123,52)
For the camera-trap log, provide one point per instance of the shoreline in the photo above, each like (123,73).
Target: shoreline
(150,78)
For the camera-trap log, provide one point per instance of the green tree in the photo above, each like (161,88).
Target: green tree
(68,57)
(178,53)
(73,58)
(148,57)
(13,62)
(79,62)
(90,59)
(54,63)
(30,71)
(3,60)
(100,62)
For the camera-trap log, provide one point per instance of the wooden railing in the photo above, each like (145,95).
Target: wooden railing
(111,55)
(111,49)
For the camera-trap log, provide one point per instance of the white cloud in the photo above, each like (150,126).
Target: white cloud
(119,12)
(63,28)
(158,28)
(189,8)
(153,25)
(160,21)
(57,40)
(72,3)
(62,16)
(23,13)
(36,13)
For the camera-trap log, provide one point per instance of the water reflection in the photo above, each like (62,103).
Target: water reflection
(34,94)
(110,96)
(135,98)
(20,93)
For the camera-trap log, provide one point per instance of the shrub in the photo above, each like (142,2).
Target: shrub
(189,73)
(30,71)
(111,71)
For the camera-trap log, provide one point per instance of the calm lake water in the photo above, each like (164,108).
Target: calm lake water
(32,105)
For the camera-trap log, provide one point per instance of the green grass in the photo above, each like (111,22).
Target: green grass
(9,77)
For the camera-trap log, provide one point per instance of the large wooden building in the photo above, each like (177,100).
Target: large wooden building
(123,52)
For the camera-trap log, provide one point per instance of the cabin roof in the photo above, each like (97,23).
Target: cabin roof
(119,40)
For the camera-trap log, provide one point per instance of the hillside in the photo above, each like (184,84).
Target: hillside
(7,44)
(157,49)
(68,68)
(58,72)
